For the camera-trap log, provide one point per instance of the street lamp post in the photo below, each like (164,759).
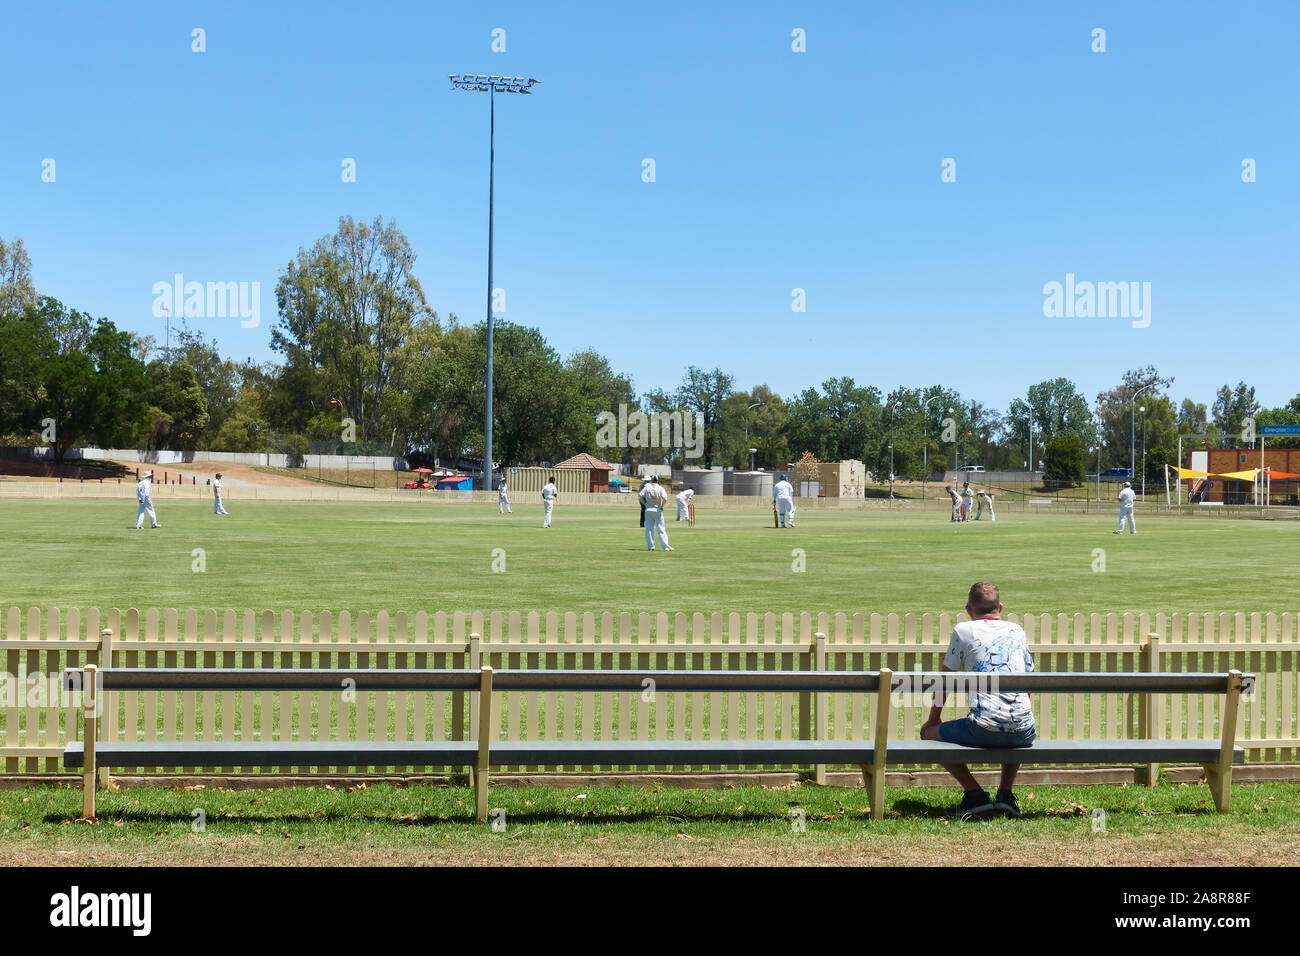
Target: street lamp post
(1100,407)
(925,435)
(1143,410)
(751,450)
(1031,442)
(490,85)
(893,415)
(1132,426)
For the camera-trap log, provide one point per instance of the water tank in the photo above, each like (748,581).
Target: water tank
(752,483)
(703,480)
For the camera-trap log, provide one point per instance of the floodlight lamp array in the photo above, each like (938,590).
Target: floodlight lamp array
(482,83)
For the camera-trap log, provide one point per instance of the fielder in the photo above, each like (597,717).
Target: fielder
(783,496)
(967,497)
(503,499)
(684,503)
(654,498)
(986,499)
(956,503)
(1125,499)
(144,495)
(548,499)
(217,507)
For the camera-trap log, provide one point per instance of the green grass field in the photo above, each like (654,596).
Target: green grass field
(429,825)
(440,557)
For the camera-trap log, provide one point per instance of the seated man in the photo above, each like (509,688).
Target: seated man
(988,646)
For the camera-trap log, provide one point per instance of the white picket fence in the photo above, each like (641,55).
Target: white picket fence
(36,645)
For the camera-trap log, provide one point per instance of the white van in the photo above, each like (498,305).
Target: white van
(972,469)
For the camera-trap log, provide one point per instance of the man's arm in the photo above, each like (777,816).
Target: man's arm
(936,712)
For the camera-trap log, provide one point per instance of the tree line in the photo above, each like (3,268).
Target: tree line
(367,367)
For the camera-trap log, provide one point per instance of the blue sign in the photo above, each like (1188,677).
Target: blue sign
(1279,430)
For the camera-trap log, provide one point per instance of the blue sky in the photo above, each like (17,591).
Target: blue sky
(775,170)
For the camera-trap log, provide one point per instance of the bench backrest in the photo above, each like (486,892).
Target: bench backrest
(636,681)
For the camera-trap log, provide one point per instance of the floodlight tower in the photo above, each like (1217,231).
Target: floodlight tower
(491,85)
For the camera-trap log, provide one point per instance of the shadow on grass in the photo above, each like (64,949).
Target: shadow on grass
(530,816)
(915,809)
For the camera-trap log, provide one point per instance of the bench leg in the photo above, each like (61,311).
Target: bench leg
(873,774)
(1220,782)
(479,774)
(1219,775)
(481,796)
(89,738)
(88,791)
(875,784)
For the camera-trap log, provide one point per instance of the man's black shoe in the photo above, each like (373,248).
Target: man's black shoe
(974,805)
(1006,803)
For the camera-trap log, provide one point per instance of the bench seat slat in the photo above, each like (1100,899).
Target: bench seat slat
(327,679)
(332,753)
(635,753)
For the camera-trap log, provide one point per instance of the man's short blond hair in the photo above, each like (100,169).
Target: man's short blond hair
(983,598)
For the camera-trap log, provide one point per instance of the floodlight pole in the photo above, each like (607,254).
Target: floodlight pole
(491,85)
(487,405)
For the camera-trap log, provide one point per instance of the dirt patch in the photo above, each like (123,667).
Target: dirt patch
(1228,848)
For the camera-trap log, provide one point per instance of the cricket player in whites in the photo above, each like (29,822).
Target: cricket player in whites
(1125,499)
(783,498)
(503,499)
(144,495)
(986,498)
(548,499)
(217,507)
(655,497)
(956,503)
(684,503)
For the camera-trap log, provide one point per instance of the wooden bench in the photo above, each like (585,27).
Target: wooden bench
(479,756)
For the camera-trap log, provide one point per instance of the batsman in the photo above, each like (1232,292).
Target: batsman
(783,502)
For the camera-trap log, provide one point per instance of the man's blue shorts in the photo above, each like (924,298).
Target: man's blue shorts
(966,732)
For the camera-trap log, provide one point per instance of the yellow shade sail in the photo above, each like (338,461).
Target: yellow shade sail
(1248,475)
